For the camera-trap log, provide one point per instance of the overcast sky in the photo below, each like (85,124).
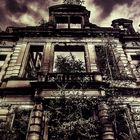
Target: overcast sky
(30,12)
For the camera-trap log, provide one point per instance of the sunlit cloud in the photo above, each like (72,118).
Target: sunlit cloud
(104,11)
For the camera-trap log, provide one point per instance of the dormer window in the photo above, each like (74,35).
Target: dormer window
(68,22)
(68,16)
(61,22)
(75,22)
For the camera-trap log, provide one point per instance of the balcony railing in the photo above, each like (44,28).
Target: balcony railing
(70,77)
(69,81)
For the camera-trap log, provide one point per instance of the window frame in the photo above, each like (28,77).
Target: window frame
(26,55)
(86,53)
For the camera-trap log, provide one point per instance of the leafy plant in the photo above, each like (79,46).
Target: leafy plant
(73,118)
(19,128)
(69,64)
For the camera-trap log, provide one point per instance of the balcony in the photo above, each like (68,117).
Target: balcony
(69,80)
(70,77)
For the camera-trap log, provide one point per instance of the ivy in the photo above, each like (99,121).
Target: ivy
(19,128)
(69,64)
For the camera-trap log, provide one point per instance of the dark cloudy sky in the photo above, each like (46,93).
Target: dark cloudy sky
(30,12)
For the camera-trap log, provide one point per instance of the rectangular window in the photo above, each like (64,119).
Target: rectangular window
(14,123)
(107,63)
(34,61)
(69,59)
(65,22)
(2,59)
(123,124)
(62,22)
(136,62)
(75,22)
(135,57)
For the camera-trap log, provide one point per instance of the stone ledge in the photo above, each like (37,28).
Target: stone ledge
(17,83)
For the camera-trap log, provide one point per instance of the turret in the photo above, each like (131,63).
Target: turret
(124,24)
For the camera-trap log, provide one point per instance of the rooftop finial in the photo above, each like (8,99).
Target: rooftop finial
(77,2)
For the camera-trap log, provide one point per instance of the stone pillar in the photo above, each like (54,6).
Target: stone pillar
(107,128)
(46,58)
(36,123)
(45,128)
(92,58)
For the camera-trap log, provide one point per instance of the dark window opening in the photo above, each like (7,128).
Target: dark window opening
(2,57)
(72,48)
(61,19)
(135,57)
(75,22)
(136,62)
(34,61)
(2,60)
(62,22)
(75,19)
(68,22)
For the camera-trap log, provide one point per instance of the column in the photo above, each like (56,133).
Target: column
(107,128)
(46,58)
(36,127)
(92,58)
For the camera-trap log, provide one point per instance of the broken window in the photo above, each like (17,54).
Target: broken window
(107,63)
(34,61)
(69,59)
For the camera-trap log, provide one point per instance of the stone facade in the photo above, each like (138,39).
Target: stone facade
(112,61)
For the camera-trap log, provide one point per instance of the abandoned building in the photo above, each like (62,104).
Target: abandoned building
(97,98)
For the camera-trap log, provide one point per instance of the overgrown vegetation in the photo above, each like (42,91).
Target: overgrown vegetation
(69,64)
(19,128)
(76,117)
(73,118)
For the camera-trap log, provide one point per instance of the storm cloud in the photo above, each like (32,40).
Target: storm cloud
(22,12)
(108,5)
(104,11)
(30,12)
(14,6)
